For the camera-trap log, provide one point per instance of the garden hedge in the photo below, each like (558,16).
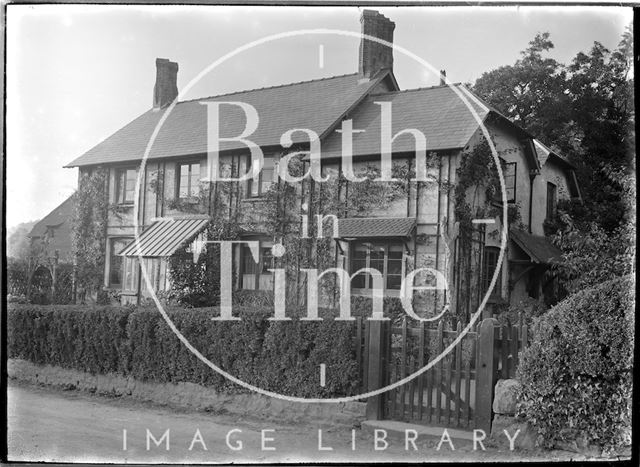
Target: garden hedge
(280,356)
(577,372)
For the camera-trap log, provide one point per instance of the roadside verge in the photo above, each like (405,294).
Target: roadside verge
(188,395)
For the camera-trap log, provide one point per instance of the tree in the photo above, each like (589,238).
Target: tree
(585,110)
(18,244)
(531,92)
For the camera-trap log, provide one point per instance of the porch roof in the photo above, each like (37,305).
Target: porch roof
(367,227)
(537,247)
(165,236)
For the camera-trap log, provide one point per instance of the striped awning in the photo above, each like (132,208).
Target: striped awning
(165,236)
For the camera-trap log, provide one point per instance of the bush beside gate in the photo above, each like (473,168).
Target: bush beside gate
(577,372)
(283,357)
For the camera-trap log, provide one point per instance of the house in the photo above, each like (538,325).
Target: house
(51,255)
(52,236)
(409,224)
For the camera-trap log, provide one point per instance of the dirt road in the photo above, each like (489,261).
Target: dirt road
(71,426)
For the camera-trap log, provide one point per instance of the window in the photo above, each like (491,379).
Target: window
(489,264)
(125,185)
(383,257)
(256,276)
(156,269)
(509,174)
(552,200)
(188,180)
(130,276)
(116,264)
(265,180)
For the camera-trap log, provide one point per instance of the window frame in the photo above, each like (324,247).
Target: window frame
(552,204)
(257,269)
(189,198)
(498,194)
(490,251)
(268,164)
(370,245)
(121,189)
(515,180)
(120,259)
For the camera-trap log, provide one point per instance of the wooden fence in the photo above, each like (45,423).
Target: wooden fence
(457,389)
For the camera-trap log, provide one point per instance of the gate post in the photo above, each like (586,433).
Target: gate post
(486,373)
(376,368)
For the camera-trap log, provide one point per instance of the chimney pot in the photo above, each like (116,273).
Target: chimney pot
(375,56)
(166,87)
(443,75)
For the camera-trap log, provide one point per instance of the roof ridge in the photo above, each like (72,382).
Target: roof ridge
(420,89)
(267,87)
(50,214)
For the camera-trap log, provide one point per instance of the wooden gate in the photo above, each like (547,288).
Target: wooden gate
(457,390)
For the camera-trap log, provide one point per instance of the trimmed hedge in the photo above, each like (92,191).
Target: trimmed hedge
(280,356)
(577,373)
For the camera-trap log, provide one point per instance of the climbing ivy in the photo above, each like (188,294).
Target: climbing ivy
(89,229)
(277,215)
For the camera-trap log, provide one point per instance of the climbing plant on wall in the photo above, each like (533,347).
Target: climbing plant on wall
(277,215)
(477,195)
(197,283)
(89,229)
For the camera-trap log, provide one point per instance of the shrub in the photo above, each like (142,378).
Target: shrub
(391,306)
(577,372)
(525,310)
(282,356)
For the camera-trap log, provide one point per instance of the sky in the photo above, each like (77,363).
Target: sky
(78,73)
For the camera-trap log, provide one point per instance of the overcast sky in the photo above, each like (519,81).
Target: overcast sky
(78,73)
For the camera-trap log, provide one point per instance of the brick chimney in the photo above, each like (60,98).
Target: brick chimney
(375,56)
(443,77)
(166,87)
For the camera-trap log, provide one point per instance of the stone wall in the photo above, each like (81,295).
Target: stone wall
(505,402)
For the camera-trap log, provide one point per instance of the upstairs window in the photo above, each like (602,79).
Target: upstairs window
(509,174)
(188,180)
(552,200)
(125,185)
(265,180)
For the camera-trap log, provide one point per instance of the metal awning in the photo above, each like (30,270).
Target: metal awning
(165,236)
(537,247)
(369,227)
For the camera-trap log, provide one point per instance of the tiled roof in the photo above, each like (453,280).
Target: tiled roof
(438,112)
(357,227)
(544,153)
(537,247)
(55,218)
(315,105)
(165,236)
